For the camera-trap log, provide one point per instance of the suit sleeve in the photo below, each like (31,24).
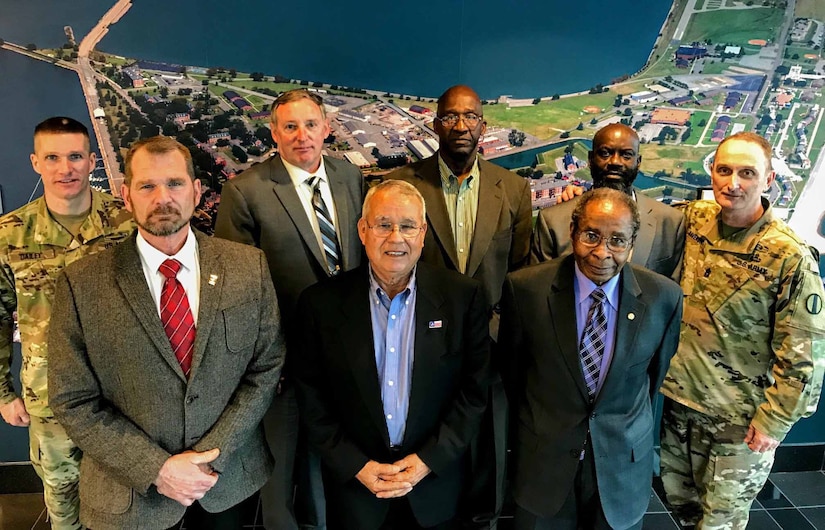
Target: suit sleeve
(463,416)
(323,429)
(679,250)
(670,342)
(235,221)
(509,344)
(100,430)
(544,245)
(254,393)
(520,249)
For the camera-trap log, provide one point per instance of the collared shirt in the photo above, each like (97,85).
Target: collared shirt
(393,335)
(462,206)
(189,275)
(34,249)
(583,287)
(300,180)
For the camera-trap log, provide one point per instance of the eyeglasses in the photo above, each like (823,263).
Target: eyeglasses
(407,231)
(471,119)
(614,243)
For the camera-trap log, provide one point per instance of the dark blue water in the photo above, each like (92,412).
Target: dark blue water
(31,92)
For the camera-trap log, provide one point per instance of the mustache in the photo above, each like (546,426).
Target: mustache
(165,210)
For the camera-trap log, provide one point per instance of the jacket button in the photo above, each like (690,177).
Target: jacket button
(191,399)
(593,416)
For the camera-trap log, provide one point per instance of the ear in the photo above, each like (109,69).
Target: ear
(35,163)
(92,160)
(127,199)
(362,230)
(771,178)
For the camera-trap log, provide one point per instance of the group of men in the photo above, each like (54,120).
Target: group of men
(364,358)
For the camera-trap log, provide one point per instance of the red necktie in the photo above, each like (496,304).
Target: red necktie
(176,316)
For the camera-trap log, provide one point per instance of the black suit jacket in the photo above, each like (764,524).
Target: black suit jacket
(501,241)
(340,396)
(117,388)
(543,377)
(260,207)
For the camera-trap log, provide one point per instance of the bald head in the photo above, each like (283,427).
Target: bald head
(456,92)
(460,125)
(615,158)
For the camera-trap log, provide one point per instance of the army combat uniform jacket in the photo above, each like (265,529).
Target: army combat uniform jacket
(34,248)
(751,345)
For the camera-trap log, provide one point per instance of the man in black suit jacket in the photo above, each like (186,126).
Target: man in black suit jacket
(393,375)
(169,423)
(614,163)
(270,206)
(479,219)
(582,420)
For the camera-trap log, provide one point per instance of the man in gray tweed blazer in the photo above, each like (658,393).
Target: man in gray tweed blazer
(161,377)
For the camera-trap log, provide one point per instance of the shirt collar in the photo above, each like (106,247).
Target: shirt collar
(378,292)
(447,174)
(300,176)
(586,287)
(153,257)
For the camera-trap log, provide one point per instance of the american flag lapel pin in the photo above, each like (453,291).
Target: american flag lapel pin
(213,279)
(435,324)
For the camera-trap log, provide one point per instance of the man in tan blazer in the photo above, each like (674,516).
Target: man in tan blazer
(160,377)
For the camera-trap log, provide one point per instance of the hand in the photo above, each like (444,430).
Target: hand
(758,442)
(570,192)
(379,479)
(412,469)
(14,413)
(188,476)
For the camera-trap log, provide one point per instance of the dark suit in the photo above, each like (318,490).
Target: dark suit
(544,381)
(261,207)
(659,245)
(501,243)
(120,393)
(340,394)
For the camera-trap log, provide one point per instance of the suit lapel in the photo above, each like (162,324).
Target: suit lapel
(212,278)
(561,302)
(437,216)
(339,190)
(490,201)
(285,191)
(132,282)
(647,231)
(429,346)
(356,333)
(630,315)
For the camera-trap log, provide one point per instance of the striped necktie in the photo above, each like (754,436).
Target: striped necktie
(326,226)
(176,315)
(592,345)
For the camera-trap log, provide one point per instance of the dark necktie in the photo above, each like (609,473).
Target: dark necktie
(326,226)
(592,345)
(176,315)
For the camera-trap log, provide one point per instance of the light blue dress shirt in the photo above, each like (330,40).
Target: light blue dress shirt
(583,286)
(393,335)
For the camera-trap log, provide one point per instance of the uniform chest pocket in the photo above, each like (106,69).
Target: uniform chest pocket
(738,294)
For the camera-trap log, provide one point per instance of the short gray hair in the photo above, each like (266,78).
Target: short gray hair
(396,186)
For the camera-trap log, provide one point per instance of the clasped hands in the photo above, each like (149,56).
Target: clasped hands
(186,477)
(386,481)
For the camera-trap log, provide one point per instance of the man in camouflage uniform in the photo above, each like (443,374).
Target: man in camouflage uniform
(750,358)
(69,222)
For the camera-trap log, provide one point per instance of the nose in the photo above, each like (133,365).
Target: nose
(735,184)
(64,166)
(601,251)
(615,160)
(301,135)
(395,235)
(460,125)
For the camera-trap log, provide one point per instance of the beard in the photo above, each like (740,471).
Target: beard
(163,228)
(622,182)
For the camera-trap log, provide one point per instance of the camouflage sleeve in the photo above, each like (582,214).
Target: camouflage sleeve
(8,304)
(797,344)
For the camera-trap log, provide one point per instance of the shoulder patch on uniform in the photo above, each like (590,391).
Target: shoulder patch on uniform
(813,304)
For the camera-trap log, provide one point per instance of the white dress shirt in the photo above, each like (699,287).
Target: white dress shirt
(299,179)
(189,275)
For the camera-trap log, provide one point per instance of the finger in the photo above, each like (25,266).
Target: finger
(387,469)
(205,457)
(393,493)
(389,485)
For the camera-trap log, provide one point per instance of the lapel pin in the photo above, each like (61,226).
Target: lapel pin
(631,316)
(213,278)
(435,324)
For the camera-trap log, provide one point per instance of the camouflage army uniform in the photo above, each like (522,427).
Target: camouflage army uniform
(750,352)
(34,248)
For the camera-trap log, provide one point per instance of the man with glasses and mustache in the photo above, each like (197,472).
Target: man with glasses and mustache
(392,375)
(614,163)
(581,388)
(479,218)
